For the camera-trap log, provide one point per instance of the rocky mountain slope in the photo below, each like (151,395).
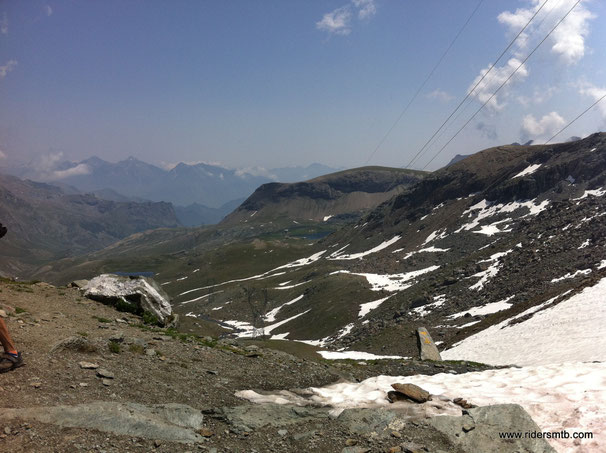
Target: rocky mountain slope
(100,380)
(46,224)
(501,235)
(344,193)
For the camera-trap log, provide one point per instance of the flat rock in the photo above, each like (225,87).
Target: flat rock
(103,373)
(168,422)
(88,365)
(413,392)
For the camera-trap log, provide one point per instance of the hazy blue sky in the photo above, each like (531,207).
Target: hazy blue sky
(282,82)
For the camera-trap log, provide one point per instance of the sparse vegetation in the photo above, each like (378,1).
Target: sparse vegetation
(136,348)
(114,347)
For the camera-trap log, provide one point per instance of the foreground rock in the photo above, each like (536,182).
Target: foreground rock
(480,429)
(138,295)
(427,348)
(412,392)
(169,422)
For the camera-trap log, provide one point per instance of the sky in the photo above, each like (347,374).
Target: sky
(273,83)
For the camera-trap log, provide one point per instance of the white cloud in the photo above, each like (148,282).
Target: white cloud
(3,155)
(440,95)
(567,43)
(80,169)
(541,129)
(4,24)
(539,96)
(595,93)
(568,39)
(255,171)
(366,8)
(48,10)
(8,67)
(498,75)
(336,22)
(51,167)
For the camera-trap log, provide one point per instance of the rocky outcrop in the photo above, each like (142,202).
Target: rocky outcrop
(138,295)
(169,422)
(427,348)
(481,428)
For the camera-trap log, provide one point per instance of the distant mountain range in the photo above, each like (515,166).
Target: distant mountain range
(45,223)
(202,193)
(182,185)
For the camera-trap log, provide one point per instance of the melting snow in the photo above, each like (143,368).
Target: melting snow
(438,234)
(200,298)
(326,217)
(426,309)
(355,355)
(557,397)
(369,306)
(302,261)
(431,249)
(271,316)
(528,171)
(391,282)
(593,193)
(248,331)
(573,330)
(336,256)
(488,209)
(492,270)
(584,244)
(281,285)
(345,330)
(602,264)
(569,275)
(486,309)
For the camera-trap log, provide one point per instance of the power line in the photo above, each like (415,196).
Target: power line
(580,115)
(464,109)
(423,84)
(476,85)
(503,84)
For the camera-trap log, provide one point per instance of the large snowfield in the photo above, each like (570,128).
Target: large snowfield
(560,377)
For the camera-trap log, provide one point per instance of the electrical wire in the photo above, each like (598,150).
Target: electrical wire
(423,84)
(503,84)
(476,85)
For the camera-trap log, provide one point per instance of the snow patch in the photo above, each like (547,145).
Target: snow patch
(573,275)
(592,193)
(383,245)
(528,171)
(369,306)
(558,397)
(573,330)
(391,282)
(355,355)
(486,309)
(271,316)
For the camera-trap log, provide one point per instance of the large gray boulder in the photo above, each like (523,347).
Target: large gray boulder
(427,348)
(481,428)
(138,295)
